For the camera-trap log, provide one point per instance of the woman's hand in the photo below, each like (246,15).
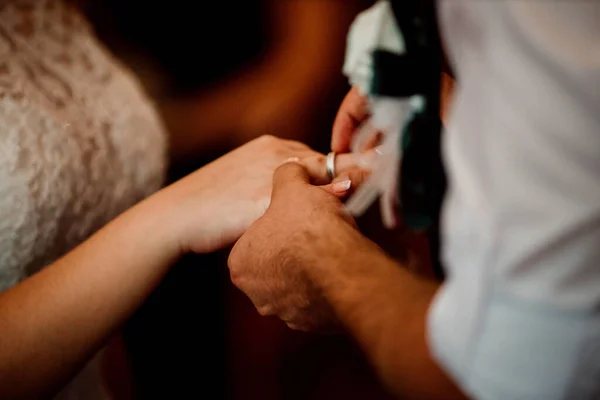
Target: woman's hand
(98,285)
(212,207)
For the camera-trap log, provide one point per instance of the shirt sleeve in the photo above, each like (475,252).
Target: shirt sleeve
(519,315)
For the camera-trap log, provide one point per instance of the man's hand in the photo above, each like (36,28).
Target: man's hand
(305,262)
(301,226)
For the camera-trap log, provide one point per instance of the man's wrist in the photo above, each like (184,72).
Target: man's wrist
(345,250)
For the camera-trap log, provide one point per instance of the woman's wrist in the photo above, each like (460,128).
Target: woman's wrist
(184,214)
(151,226)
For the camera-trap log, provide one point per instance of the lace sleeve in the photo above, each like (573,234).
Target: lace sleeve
(79,141)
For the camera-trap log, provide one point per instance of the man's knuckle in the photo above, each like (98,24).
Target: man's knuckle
(293,326)
(233,260)
(235,278)
(265,310)
(299,326)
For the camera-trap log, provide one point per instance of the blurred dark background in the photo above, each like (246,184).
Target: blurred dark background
(184,45)
(223,73)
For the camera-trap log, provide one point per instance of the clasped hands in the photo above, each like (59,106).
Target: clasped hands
(273,198)
(280,262)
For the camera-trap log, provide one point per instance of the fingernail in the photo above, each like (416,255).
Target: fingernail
(342,186)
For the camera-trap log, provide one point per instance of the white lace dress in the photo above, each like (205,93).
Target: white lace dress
(79,141)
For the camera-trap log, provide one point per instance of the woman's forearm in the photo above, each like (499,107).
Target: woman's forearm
(53,322)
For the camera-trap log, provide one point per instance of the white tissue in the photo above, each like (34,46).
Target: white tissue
(376,29)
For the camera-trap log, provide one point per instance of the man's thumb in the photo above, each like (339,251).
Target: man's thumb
(288,173)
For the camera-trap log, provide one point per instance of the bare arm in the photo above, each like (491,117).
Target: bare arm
(53,322)
(384,307)
(323,271)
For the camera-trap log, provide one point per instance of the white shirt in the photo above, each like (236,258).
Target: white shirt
(519,315)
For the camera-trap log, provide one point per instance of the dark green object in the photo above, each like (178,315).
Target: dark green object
(417,72)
